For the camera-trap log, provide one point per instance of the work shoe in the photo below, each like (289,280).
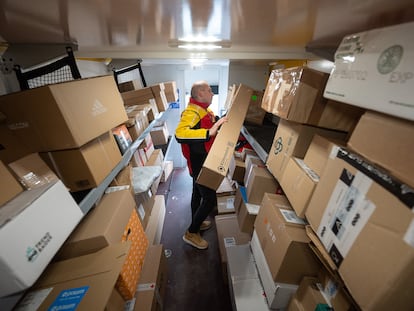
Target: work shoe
(206,224)
(195,240)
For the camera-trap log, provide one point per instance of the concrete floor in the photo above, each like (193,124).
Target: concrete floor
(195,277)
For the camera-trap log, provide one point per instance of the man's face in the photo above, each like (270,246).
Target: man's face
(206,94)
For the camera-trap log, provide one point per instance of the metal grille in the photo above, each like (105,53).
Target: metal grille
(61,75)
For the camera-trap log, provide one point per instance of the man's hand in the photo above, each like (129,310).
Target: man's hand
(214,129)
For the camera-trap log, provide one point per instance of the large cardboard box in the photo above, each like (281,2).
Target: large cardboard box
(85,167)
(9,185)
(293,139)
(374,70)
(102,226)
(284,241)
(364,219)
(386,141)
(34,225)
(216,165)
(32,171)
(113,220)
(153,282)
(64,115)
(82,283)
(298,97)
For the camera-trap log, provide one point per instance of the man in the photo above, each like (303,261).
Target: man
(195,132)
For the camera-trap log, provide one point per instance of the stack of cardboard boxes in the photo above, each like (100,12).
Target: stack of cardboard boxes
(59,139)
(341,155)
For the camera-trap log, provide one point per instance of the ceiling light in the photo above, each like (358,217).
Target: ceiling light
(199,45)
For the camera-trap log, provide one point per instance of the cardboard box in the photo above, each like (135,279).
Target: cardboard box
(29,251)
(379,64)
(246,212)
(295,94)
(309,294)
(168,169)
(129,85)
(82,283)
(155,224)
(171,91)
(11,187)
(32,171)
(376,130)
(284,241)
(102,226)
(131,270)
(225,204)
(298,183)
(227,187)
(159,133)
(229,234)
(319,151)
(137,97)
(293,139)
(351,213)
(85,167)
(153,282)
(237,169)
(216,165)
(137,121)
(122,137)
(159,96)
(277,294)
(259,182)
(64,115)
(251,161)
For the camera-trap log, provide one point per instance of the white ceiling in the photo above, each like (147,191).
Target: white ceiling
(259,30)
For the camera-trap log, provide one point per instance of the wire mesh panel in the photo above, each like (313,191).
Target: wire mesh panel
(61,70)
(61,75)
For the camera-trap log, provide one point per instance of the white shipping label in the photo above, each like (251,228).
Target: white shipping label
(229,241)
(230,203)
(291,217)
(346,214)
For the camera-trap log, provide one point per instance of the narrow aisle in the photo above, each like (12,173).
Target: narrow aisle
(195,277)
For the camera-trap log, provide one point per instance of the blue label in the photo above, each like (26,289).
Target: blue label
(68,299)
(243,193)
(174,105)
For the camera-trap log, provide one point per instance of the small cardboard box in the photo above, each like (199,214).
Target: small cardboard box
(385,140)
(83,283)
(379,65)
(216,165)
(122,137)
(364,219)
(159,133)
(137,97)
(171,93)
(155,224)
(11,187)
(29,251)
(85,167)
(246,212)
(64,115)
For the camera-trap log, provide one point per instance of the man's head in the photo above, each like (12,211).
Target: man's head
(201,92)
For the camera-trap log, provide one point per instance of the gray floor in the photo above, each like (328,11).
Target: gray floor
(195,277)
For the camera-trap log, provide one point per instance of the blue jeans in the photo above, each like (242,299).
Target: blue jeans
(203,201)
